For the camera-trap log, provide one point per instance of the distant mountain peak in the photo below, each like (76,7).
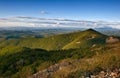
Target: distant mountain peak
(93,31)
(90,29)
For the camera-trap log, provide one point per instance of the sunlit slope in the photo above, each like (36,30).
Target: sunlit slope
(63,41)
(88,38)
(49,43)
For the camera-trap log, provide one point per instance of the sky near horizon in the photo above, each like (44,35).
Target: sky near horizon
(90,10)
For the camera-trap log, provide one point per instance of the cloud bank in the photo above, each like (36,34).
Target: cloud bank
(59,22)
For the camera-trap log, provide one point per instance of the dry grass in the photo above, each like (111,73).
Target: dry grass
(109,59)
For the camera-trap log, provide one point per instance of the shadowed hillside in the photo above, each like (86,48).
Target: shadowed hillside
(21,62)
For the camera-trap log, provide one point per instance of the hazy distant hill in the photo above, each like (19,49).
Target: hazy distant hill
(28,32)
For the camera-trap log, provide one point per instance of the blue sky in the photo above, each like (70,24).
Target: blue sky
(60,13)
(108,10)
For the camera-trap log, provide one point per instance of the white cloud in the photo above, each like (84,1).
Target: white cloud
(43,12)
(45,22)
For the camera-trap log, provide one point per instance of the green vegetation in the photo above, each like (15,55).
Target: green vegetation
(64,41)
(17,33)
(16,60)
(101,62)
(21,58)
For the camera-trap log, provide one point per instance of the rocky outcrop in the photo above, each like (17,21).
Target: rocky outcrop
(104,73)
(46,73)
(108,73)
(112,40)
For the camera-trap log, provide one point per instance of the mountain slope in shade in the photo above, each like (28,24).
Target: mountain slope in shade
(63,41)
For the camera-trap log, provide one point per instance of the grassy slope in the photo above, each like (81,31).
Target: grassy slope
(85,39)
(21,62)
(13,59)
(63,41)
(108,59)
(49,43)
